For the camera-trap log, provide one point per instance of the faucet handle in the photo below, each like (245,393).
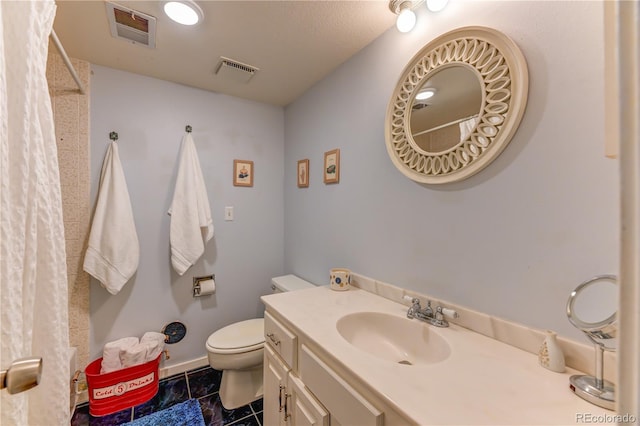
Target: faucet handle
(413,300)
(415,306)
(449,313)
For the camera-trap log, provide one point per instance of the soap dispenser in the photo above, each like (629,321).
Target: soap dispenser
(550,355)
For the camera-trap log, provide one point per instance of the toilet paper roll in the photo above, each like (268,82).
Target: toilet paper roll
(206,287)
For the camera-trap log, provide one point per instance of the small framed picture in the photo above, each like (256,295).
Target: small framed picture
(303,173)
(332,166)
(242,173)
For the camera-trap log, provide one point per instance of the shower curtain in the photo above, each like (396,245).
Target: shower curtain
(33,276)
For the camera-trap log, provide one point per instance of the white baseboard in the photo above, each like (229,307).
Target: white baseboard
(181,367)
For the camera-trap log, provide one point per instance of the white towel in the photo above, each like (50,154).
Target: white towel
(134,355)
(113,252)
(191,224)
(111,353)
(155,344)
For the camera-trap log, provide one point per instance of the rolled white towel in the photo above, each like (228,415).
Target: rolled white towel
(155,344)
(134,355)
(153,336)
(111,353)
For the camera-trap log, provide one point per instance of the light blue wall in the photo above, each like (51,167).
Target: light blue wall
(513,240)
(150,116)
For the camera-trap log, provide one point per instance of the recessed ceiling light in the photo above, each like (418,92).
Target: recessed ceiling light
(185,12)
(425,94)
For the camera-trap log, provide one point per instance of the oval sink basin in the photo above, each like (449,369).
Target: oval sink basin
(394,339)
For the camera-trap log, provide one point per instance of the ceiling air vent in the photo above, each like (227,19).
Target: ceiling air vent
(131,25)
(236,71)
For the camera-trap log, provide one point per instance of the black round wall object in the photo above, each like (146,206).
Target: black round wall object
(175,331)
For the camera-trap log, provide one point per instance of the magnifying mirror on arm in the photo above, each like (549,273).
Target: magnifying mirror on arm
(592,308)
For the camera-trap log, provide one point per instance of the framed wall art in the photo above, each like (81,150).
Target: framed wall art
(331,170)
(303,173)
(242,173)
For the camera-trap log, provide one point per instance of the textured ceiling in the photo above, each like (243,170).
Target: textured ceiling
(293,43)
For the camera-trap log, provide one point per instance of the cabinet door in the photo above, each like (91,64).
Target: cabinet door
(303,406)
(275,383)
(346,405)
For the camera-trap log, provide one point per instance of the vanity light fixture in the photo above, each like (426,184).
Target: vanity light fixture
(406,19)
(406,16)
(185,12)
(436,5)
(426,94)
(405,10)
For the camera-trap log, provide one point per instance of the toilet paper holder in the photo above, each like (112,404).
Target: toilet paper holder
(197,289)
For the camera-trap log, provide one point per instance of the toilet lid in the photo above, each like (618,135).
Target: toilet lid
(243,336)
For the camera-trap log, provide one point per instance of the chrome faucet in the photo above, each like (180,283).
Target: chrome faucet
(416,311)
(427,314)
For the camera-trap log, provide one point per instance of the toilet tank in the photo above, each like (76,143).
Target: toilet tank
(289,283)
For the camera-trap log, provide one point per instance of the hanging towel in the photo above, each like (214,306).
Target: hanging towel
(191,224)
(113,252)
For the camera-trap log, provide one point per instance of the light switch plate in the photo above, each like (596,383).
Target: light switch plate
(228,213)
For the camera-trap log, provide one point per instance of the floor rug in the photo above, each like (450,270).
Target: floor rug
(186,413)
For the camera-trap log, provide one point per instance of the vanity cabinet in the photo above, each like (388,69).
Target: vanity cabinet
(301,388)
(342,384)
(287,402)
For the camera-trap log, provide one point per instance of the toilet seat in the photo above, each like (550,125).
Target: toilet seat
(240,337)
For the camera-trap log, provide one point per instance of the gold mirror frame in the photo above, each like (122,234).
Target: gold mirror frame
(504,79)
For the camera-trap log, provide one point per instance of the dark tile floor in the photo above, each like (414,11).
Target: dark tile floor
(202,384)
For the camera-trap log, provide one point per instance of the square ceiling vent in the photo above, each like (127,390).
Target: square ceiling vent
(233,70)
(131,25)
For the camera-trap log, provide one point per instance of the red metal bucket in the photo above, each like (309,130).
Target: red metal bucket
(125,388)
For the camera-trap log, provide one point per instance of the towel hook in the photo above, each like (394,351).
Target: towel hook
(188,129)
(113,136)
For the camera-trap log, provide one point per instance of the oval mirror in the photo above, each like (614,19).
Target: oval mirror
(456,105)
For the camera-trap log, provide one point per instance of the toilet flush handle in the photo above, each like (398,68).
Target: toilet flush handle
(273,339)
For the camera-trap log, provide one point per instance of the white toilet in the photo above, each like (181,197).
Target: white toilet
(238,349)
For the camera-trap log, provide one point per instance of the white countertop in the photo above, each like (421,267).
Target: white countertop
(482,382)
